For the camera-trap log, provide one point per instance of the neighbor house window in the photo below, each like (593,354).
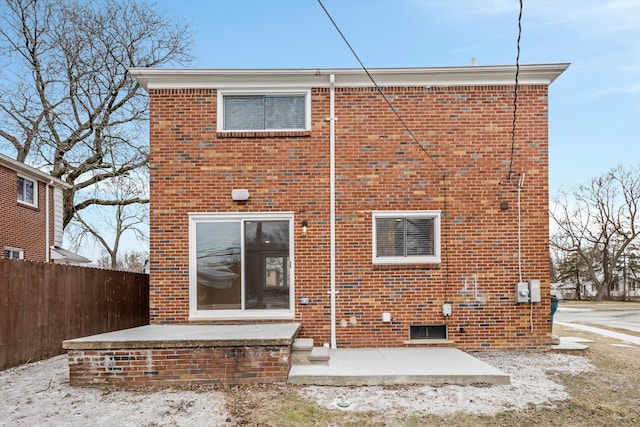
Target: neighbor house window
(615,285)
(14,253)
(404,237)
(266,111)
(241,266)
(27,191)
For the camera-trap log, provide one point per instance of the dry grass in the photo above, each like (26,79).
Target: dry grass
(602,306)
(607,396)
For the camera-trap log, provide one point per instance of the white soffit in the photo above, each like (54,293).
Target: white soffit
(190,78)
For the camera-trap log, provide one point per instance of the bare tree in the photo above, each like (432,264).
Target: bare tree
(597,224)
(566,268)
(108,226)
(66,99)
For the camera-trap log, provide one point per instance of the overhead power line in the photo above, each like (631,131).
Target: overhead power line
(400,119)
(515,97)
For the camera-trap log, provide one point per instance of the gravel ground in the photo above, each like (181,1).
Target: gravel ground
(529,385)
(39,394)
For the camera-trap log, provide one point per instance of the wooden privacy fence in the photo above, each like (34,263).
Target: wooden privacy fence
(42,304)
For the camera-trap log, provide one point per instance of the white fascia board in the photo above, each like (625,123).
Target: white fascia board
(32,173)
(64,254)
(189,78)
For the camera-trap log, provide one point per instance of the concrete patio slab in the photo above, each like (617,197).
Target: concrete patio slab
(568,344)
(366,366)
(386,366)
(183,355)
(576,339)
(180,336)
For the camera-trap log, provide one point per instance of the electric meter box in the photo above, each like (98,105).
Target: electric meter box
(522,292)
(528,291)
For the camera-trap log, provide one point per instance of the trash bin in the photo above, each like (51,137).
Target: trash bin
(554,307)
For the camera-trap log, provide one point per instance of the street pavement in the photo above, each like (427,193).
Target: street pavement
(620,319)
(604,332)
(595,317)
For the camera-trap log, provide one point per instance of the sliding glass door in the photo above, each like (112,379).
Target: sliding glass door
(241,265)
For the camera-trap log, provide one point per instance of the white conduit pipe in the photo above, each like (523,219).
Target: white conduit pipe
(520,186)
(332,220)
(47,225)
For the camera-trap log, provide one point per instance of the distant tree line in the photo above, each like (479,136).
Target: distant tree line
(595,228)
(128,261)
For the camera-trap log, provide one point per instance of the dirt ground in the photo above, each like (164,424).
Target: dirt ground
(595,387)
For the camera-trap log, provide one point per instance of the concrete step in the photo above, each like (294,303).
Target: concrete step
(304,353)
(301,351)
(319,356)
(302,344)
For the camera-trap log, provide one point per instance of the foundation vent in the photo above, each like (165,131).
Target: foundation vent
(428,332)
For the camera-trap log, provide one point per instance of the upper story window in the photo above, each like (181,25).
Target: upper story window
(406,237)
(27,191)
(263,111)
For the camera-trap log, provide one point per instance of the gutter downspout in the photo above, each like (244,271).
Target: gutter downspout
(332,220)
(47,251)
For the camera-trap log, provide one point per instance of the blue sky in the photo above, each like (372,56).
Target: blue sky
(594,117)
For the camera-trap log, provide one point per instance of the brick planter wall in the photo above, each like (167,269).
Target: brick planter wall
(179,366)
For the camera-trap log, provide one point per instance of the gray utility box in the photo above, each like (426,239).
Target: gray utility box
(528,291)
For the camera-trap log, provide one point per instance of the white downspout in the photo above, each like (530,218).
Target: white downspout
(332,220)
(46,222)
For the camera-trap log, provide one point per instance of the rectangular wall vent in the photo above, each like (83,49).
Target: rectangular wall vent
(428,332)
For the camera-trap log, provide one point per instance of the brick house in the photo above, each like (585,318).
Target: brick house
(31,214)
(299,195)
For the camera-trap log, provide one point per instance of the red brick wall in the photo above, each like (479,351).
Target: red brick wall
(179,366)
(466,131)
(23,226)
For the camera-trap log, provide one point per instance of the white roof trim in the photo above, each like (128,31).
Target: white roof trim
(58,253)
(31,172)
(191,78)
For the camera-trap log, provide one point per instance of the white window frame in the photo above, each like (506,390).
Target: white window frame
(35,191)
(421,259)
(266,92)
(194,313)
(12,249)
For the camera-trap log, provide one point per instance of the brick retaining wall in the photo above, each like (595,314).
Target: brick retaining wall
(179,366)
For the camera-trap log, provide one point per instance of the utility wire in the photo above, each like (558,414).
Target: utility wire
(515,98)
(440,168)
(513,147)
(409,131)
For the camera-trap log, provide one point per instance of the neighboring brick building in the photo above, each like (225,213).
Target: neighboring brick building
(31,214)
(299,195)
